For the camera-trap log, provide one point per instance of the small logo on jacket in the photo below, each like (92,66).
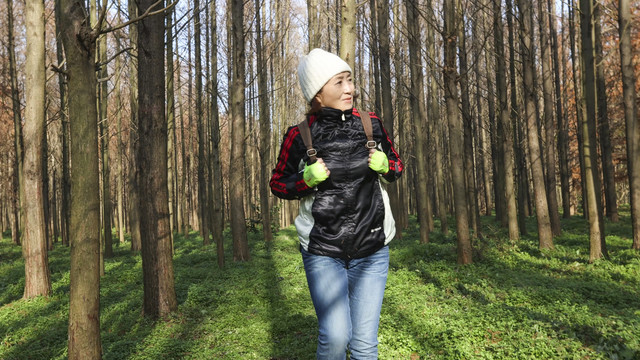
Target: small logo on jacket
(376,229)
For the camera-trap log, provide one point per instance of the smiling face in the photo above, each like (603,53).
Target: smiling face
(337,93)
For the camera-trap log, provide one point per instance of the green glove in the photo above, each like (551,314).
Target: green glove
(314,174)
(379,162)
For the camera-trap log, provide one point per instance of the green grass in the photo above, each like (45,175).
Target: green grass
(514,302)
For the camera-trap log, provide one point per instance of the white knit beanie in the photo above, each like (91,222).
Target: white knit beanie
(316,68)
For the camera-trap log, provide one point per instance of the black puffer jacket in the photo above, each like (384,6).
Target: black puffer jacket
(348,215)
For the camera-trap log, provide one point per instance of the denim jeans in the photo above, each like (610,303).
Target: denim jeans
(347,296)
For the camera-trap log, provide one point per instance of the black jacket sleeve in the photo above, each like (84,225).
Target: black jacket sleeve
(396,167)
(286,180)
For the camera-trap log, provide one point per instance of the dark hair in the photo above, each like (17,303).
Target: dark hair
(315,106)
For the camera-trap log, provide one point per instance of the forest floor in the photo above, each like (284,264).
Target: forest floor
(513,302)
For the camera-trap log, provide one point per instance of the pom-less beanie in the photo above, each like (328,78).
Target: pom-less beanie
(316,68)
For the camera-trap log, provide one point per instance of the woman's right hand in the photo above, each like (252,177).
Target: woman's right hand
(315,173)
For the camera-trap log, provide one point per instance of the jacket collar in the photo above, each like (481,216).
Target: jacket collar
(331,114)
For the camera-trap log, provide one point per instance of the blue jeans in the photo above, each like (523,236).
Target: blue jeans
(347,296)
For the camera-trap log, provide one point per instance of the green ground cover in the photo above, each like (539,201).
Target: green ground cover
(514,302)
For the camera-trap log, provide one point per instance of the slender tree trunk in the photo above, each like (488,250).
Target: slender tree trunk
(545,235)
(549,126)
(265,128)
(18,179)
(597,245)
(157,265)
(134,137)
(560,120)
(105,136)
(577,97)
(631,116)
(313,14)
(503,114)
(34,246)
(419,116)
(84,297)
(171,127)
(202,181)
(456,132)
(521,176)
(348,34)
(401,216)
(237,100)
(472,198)
(119,150)
(604,133)
(217,184)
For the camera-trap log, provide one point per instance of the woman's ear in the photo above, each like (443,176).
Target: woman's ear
(318,99)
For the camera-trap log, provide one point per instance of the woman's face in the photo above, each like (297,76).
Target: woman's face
(337,93)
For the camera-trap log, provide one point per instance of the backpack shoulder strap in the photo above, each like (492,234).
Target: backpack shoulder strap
(305,132)
(368,130)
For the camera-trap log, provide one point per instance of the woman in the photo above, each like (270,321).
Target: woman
(345,221)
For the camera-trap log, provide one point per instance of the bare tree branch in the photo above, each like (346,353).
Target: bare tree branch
(146,14)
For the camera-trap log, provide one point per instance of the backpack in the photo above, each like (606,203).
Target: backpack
(305,132)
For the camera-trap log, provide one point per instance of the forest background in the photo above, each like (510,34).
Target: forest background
(172,115)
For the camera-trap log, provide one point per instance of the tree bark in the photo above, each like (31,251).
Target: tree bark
(503,114)
(604,132)
(456,132)
(419,118)
(134,135)
(631,116)
(348,34)
(18,179)
(34,245)
(171,126)
(313,14)
(217,227)
(237,100)
(84,298)
(265,128)
(105,136)
(597,246)
(202,181)
(545,235)
(561,127)
(549,126)
(467,121)
(157,266)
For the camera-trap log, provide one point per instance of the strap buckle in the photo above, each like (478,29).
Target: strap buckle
(312,152)
(371,144)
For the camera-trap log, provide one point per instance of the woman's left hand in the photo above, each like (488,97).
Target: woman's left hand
(378,161)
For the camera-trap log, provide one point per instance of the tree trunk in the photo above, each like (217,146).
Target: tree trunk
(265,128)
(604,133)
(503,114)
(217,184)
(119,151)
(521,176)
(597,245)
(631,116)
(561,127)
(237,100)
(419,116)
(134,134)
(157,266)
(577,94)
(545,235)
(34,246)
(456,132)
(348,34)
(18,178)
(105,136)
(84,297)
(549,126)
(202,181)
(171,125)
(467,121)
(315,35)
(401,216)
